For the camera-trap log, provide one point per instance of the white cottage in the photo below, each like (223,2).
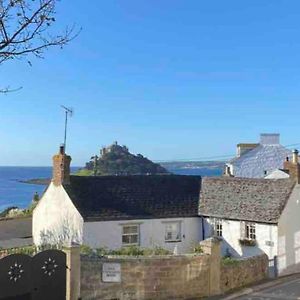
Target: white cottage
(259,160)
(117,211)
(252,216)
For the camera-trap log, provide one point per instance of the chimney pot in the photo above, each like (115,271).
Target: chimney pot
(62,149)
(295,156)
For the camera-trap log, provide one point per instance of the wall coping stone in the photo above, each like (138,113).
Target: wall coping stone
(142,257)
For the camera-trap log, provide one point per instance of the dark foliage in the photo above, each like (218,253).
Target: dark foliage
(117,160)
(4,213)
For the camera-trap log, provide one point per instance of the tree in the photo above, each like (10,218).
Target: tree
(26,29)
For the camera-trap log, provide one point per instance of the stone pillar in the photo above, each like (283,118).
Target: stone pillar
(73,272)
(212,246)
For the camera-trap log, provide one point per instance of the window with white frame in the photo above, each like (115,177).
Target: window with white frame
(130,234)
(250,233)
(173,232)
(217,227)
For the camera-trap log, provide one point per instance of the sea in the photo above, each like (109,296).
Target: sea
(15,193)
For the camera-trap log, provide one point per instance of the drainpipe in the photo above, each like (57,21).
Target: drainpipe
(203,230)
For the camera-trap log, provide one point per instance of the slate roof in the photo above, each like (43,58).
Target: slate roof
(135,197)
(268,156)
(263,158)
(258,200)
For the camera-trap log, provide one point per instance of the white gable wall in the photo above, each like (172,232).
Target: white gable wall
(277,174)
(289,235)
(152,233)
(266,237)
(55,219)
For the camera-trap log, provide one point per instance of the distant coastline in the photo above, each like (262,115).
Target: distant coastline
(209,168)
(173,165)
(36,181)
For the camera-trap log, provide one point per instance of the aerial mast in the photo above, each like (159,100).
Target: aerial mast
(68,113)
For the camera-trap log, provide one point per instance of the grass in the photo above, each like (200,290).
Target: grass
(84,172)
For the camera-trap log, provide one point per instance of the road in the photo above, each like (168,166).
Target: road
(287,290)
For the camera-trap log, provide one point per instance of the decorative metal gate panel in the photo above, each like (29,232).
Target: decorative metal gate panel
(33,278)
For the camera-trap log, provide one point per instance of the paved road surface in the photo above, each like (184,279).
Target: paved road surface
(289,290)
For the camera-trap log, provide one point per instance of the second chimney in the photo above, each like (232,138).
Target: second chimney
(293,166)
(295,156)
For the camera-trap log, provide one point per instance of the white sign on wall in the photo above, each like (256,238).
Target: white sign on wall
(111,272)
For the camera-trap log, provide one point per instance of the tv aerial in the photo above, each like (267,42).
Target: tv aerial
(68,113)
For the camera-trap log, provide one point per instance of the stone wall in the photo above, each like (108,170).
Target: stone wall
(171,277)
(162,277)
(242,272)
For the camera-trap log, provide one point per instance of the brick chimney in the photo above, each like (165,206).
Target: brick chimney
(61,167)
(293,167)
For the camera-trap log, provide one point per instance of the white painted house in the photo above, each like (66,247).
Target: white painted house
(259,160)
(252,216)
(118,211)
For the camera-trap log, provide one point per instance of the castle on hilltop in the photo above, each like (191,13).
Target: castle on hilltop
(115,147)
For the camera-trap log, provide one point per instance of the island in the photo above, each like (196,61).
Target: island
(117,160)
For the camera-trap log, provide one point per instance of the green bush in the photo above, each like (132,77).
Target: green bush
(102,251)
(86,250)
(28,250)
(156,251)
(228,261)
(126,251)
(197,249)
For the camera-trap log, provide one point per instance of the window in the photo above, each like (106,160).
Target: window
(130,235)
(217,227)
(173,232)
(250,231)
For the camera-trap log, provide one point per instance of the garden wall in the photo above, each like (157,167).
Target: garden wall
(169,277)
(163,277)
(242,272)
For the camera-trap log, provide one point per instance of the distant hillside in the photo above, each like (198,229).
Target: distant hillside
(193,165)
(117,160)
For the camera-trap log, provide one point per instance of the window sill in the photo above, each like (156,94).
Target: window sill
(219,238)
(173,241)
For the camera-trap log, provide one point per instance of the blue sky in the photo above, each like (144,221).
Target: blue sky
(170,79)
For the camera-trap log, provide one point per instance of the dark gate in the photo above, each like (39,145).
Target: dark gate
(33,278)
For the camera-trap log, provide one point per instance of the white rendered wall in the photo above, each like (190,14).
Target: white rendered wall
(277,174)
(152,233)
(55,219)
(266,237)
(289,235)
